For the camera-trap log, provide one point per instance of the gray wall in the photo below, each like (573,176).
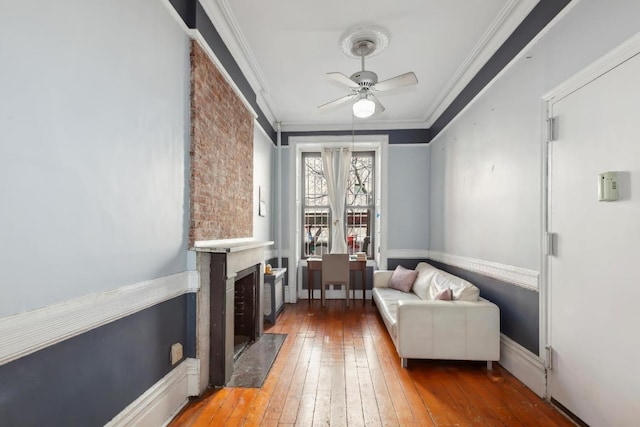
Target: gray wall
(408,190)
(486,167)
(263,178)
(94,131)
(88,379)
(284,209)
(94,134)
(408,197)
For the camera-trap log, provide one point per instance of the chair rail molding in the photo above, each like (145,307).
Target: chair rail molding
(407,253)
(523,277)
(28,332)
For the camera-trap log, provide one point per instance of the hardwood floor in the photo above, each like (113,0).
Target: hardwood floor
(338,367)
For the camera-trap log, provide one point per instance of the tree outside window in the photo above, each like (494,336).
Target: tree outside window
(317,221)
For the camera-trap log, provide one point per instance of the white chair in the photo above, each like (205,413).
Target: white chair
(335,271)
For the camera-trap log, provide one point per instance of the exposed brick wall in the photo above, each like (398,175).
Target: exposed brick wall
(221,201)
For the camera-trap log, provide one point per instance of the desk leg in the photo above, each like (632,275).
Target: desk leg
(352,279)
(310,283)
(364,281)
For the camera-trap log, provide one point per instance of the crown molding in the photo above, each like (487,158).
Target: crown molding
(511,15)
(221,15)
(224,21)
(198,38)
(514,60)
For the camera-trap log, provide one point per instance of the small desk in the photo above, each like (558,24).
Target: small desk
(315,264)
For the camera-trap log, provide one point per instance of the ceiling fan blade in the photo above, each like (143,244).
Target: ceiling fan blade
(337,101)
(342,79)
(406,79)
(379,107)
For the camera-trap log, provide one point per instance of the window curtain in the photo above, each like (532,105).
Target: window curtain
(336,163)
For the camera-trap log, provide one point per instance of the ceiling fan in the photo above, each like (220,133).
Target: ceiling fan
(364,84)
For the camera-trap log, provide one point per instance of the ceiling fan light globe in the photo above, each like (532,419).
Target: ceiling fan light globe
(364,108)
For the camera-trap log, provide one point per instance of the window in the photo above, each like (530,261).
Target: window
(316,212)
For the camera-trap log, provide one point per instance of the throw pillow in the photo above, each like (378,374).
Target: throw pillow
(444,295)
(402,279)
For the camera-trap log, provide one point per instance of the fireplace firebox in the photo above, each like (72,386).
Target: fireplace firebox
(245,307)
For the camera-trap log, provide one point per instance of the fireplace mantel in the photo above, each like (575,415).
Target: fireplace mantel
(220,263)
(229,245)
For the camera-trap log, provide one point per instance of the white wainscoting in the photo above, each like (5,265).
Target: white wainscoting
(28,332)
(524,365)
(525,278)
(162,401)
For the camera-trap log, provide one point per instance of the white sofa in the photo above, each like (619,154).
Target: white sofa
(465,328)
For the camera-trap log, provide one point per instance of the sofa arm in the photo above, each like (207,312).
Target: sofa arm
(381,278)
(448,330)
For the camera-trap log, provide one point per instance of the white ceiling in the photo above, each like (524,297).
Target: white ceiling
(286,47)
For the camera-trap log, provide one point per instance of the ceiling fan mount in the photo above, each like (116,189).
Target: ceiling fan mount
(363,47)
(361,43)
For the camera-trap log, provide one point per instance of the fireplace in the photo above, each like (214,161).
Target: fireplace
(230,305)
(245,310)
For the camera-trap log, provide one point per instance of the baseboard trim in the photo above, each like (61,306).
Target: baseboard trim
(161,402)
(524,365)
(525,278)
(26,333)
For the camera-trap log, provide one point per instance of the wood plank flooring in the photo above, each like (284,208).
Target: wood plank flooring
(338,367)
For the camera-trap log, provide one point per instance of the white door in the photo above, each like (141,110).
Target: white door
(594,278)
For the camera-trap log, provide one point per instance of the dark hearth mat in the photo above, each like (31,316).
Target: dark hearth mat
(254,364)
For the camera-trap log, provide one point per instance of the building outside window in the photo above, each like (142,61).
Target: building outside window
(359,209)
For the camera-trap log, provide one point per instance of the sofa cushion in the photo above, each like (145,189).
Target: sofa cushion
(424,265)
(388,294)
(422,282)
(461,289)
(387,302)
(402,279)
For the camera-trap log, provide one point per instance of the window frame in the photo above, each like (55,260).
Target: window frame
(292,149)
(310,239)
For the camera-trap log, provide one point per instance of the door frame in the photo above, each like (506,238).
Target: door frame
(606,63)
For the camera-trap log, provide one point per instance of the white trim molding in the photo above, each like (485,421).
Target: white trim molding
(407,253)
(163,400)
(603,65)
(506,68)
(194,34)
(222,18)
(525,278)
(197,36)
(28,332)
(524,365)
(511,15)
